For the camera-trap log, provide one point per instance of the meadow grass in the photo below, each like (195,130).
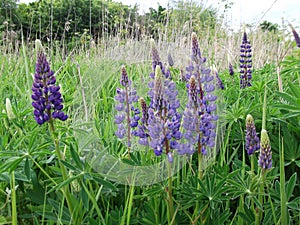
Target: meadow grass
(232,189)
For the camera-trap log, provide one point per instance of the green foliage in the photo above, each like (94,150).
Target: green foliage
(268,26)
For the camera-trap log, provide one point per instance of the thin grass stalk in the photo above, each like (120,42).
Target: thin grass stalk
(93,200)
(14,217)
(283,202)
(26,64)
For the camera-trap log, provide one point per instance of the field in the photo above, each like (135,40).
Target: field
(158,131)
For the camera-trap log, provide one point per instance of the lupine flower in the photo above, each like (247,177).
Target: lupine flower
(265,156)
(230,69)
(128,116)
(245,63)
(142,129)
(157,62)
(199,118)
(170,59)
(163,120)
(296,36)
(252,140)
(47,99)
(219,81)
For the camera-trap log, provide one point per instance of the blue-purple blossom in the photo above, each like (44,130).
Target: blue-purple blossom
(156,61)
(128,115)
(296,36)
(163,118)
(218,79)
(199,115)
(265,156)
(245,63)
(46,96)
(142,129)
(252,140)
(230,69)
(170,59)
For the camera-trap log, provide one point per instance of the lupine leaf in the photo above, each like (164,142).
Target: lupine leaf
(290,186)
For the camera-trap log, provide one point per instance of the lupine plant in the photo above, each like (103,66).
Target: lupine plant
(296,36)
(48,105)
(199,114)
(252,140)
(128,115)
(245,62)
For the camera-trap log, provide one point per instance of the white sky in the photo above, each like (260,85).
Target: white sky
(242,11)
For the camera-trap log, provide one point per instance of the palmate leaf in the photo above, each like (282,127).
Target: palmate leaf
(292,106)
(290,185)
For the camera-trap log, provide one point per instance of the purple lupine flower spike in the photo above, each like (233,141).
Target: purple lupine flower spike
(170,59)
(156,61)
(199,115)
(219,81)
(47,99)
(128,115)
(265,156)
(245,63)
(296,36)
(142,129)
(230,69)
(163,118)
(252,140)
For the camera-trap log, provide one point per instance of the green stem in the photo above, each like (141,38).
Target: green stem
(13,199)
(264,109)
(130,203)
(261,194)
(170,196)
(66,190)
(197,215)
(41,168)
(283,202)
(241,202)
(252,179)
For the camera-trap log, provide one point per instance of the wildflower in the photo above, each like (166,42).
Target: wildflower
(245,63)
(156,61)
(142,130)
(265,156)
(252,140)
(163,120)
(128,116)
(230,69)
(219,81)
(47,99)
(199,114)
(170,59)
(296,36)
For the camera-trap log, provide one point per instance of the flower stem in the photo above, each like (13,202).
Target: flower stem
(170,197)
(13,199)
(66,190)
